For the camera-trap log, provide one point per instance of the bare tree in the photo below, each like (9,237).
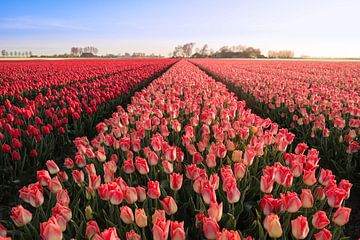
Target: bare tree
(281,54)
(188,48)
(75,51)
(179,51)
(204,51)
(3,53)
(184,50)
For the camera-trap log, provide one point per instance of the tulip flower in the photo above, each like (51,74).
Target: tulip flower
(169,205)
(176,181)
(51,230)
(300,227)
(323,235)
(320,220)
(177,231)
(215,211)
(272,226)
(20,216)
(126,215)
(140,218)
(341,216)
(210,228)
(160,229)
(153,189)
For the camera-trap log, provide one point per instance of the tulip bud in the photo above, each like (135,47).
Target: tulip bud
(210,228)
(300,227)
(20,216)
(307,199)
(341,216)
(88,213)
(215,211)
(169,205)
(320,220)
(126,215)
(323,235)
(140,218)
(273,226)
(92,229)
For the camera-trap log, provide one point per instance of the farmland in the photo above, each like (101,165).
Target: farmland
(168,149)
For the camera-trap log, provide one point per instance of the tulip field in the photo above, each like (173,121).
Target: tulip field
(178,149)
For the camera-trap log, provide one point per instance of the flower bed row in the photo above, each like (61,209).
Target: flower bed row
(19,77)
(318,101)
(186,159)
(34,130)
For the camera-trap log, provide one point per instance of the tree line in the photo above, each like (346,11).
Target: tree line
(6,53)
(238,51)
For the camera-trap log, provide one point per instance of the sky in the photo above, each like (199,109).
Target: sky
(322,28)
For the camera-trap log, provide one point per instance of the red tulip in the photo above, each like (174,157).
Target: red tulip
(78,176)
(126,215)
(210,228)
(109,233)
(51,230)
(341,216)
(177,231)
(292,202)
(215,211)
(266,184)
(54,185)
(307,199)
(335,197)
(20,216)
(153,189)
(62,197)
(141,165)
(92,229)
(208,193)
(132,235)
(176,181)
(309,177)
(169,205)
(211,160)
(323,235)
(115,196)
(140,218)
(43,177)
(273,226)
(33,194)
(141,194)
(320,220)
(130,195)
(300,227)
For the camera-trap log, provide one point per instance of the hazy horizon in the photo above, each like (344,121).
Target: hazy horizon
(314,28)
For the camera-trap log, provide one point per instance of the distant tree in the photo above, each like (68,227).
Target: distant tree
(184,50)
(251,52)
(204,51)
(11,53)
(178,52)
(30,53)
(224,49)
(127,55)
(75,51)
(3,53)
(280,54)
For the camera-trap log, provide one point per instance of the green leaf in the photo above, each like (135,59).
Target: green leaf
(230,221)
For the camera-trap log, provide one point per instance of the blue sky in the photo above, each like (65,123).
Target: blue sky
(326,28)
